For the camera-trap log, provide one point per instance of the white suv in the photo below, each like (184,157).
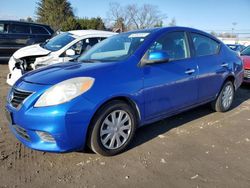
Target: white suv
(61,48)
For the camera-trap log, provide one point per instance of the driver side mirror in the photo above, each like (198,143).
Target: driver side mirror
(70,52)
(159,56)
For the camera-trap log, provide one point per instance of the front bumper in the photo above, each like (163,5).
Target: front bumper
(66,123)
(13,76)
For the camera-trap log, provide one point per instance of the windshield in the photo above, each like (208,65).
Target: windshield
(116,48)
(59,41)
(246,51)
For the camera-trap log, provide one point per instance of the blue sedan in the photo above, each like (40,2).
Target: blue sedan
(124,82)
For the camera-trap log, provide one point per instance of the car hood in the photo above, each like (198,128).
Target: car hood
(54,74)
(33,50)
(246,61)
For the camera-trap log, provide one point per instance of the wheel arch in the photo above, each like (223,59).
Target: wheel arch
(125,99)
(229,78)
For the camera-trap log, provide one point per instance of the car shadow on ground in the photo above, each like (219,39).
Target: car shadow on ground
(148,132)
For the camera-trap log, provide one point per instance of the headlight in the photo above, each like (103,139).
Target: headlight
(65,91)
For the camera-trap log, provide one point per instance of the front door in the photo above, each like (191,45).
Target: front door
(172,85)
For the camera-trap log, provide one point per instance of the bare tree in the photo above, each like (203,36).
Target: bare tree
(134,16)
(173,22)
(115,14)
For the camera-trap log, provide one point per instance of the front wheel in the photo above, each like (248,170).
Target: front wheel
(225,99)
(112,129)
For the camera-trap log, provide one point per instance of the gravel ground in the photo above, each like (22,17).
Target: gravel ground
(198,148)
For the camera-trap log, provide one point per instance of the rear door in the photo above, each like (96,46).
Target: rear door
(170,86)
(206,52)
(19,35)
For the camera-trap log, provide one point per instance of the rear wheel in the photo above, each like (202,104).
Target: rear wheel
(112,129)
(225,99)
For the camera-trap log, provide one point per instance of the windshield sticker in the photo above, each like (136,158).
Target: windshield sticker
(138,35)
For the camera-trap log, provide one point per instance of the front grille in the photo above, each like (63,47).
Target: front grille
(21,132)
(17,97)
(247,73)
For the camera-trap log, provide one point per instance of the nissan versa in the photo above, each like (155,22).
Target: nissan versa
(122,83)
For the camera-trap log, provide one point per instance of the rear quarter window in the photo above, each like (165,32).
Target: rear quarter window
(203,45)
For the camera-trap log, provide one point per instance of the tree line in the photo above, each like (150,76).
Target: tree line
(59,15)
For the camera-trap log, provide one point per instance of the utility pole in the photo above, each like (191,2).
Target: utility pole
(233,28)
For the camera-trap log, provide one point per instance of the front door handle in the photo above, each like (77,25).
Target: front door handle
(190,71)
(224,64)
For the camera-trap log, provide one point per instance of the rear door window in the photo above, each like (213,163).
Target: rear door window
(39,30)
(3,28)
(204,45)
(20,29)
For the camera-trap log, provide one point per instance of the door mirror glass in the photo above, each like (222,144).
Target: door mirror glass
(70,52)
(159,56)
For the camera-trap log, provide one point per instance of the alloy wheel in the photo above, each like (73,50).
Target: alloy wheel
(227,96)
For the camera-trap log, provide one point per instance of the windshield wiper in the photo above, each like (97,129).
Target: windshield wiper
(90,60)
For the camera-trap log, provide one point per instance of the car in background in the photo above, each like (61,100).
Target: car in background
(61,48)
(16,34)
(236,47)
(122,83)
(245,55)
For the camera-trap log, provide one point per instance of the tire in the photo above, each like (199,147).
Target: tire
(220,104)
(104,135)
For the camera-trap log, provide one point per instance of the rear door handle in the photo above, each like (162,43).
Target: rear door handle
(190,71)
(224,64)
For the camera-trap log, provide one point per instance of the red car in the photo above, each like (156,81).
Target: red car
(245,55)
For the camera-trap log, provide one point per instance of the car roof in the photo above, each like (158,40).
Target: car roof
(173,28)
(158,30)
(22,22)
(90,32)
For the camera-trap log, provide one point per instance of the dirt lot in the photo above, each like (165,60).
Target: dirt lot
(198,148)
